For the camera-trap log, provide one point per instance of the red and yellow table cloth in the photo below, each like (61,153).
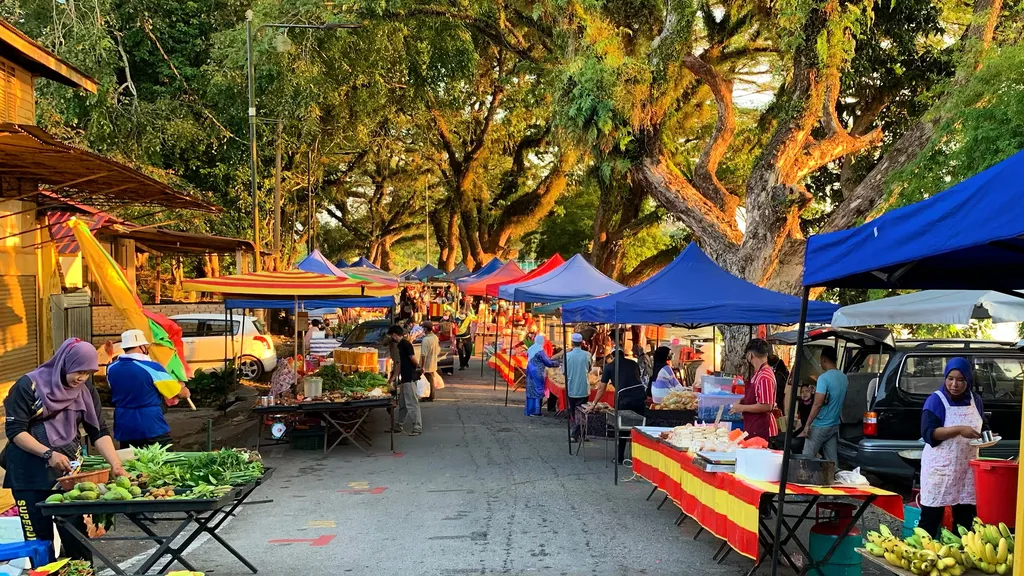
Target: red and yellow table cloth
(725,504)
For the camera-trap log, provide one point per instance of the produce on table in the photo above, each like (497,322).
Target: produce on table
(598,407)
(987,548)
(678,400)
(225,467)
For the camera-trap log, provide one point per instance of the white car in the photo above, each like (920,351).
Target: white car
(207,348)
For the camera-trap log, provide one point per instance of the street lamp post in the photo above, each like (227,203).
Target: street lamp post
(250,74)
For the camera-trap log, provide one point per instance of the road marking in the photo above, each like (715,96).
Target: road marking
(359,485)
(322,524)
(315,542)
(374,491)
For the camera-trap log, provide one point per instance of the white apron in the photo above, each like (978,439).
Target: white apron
(946,475)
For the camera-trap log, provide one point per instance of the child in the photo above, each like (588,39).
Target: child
(803,405)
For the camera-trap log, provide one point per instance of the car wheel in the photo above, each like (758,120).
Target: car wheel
(250,368)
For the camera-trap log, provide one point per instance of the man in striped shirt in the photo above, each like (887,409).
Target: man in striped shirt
(758,404)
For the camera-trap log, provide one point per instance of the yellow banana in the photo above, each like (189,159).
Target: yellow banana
(943,551)
(1004,530)
(956,570)
(990,553)
(956,556)
(1001,569)
(1002,551)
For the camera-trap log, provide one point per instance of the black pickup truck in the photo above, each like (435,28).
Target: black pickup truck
(890,380)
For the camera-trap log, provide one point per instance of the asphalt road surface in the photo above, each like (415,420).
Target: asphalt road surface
(484,490)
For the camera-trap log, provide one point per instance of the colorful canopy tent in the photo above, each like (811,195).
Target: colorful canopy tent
(693,291)
(315,262)
(460,271)
(934,307)
(912,247)
(551,263)
(427,272)
(363,262)
(574,280)
(371,274)
(294,283)
(309,303)
(487,269)
(509,271)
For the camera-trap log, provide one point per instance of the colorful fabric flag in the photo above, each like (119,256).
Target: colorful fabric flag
(163,334)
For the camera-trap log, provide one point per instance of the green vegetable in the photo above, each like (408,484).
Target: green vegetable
(225,467)
(73,495)
(88,495)
(112,495)
(135,491)
(85,487)
(123,482)
(55,499)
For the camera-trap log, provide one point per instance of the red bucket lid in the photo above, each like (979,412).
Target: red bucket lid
(992,463)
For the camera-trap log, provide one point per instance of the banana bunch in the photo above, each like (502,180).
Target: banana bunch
(919,553)
(988,547)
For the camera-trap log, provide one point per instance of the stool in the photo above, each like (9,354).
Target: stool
(40,552)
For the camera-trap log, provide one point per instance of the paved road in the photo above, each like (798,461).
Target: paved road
(484,490)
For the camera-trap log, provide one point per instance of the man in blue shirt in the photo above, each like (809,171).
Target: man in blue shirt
(577,380)
(138,405)
(822,427)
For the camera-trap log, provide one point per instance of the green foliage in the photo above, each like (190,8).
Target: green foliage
(211,388)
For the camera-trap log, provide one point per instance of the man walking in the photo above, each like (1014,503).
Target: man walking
(758,403)
(137,388)
(408,374)
(822,433)
(577,381)
(430,349)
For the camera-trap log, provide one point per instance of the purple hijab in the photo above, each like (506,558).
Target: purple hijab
(63,405)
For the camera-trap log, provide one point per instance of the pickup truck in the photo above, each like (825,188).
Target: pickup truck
(889,382)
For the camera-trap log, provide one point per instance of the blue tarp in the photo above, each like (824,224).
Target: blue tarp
(309,303)
(362,261)
(968,237)
(574,279)
(489,268)
(316,262)
(427,272)
(694,291)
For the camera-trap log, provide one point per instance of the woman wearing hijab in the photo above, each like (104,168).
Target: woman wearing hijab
(44,409)
(663,379)
(951,418)
(536,375)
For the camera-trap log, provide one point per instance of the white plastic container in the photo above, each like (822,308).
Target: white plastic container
(313,386)
(716,384)
(758,464)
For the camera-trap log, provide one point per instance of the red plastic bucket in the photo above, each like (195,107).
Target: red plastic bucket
(995,486)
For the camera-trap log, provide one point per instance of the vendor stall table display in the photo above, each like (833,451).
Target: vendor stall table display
(986,548)
(555,385)
(346,419)
(736,509)
(511,368)
(147,500)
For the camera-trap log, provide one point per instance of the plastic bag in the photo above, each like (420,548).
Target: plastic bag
(422,387)
(438,381)
(851,478)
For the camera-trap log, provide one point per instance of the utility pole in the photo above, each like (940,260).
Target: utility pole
(277,194)
(250,73)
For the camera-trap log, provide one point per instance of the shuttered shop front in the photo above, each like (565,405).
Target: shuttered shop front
(18,329)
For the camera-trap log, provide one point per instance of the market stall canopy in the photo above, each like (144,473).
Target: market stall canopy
(968,237)
(460,271)
(308,303)
(316,262)
(508,271)
(554,308)
(573,280)
(486,270)
(427,272)
(693,291)
(371,274)
(363,262)
(341,263)
(551,264)
(289,283)
(934,307)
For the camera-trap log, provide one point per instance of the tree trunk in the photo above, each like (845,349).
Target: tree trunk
(734,340)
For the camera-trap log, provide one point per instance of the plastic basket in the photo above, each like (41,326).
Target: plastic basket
(708,405)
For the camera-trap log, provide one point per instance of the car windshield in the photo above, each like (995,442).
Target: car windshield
(260,328)
(367,334)
(995,377)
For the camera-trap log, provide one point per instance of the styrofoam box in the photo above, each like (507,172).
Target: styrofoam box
(10,530)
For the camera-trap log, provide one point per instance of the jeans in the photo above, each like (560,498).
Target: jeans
(409,406)
(931,517)
(825,439)
(575,414)
(465,351)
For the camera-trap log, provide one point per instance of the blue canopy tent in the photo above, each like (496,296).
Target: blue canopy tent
(914,247)
(341,263)
(427,272)
(309,303)
(362,261)
(315,262)
(574,279)
(693,291)
(487,269)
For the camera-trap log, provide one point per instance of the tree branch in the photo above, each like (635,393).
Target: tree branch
(704,175)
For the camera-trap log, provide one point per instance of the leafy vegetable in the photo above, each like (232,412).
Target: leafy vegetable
(336,381)
(225,467)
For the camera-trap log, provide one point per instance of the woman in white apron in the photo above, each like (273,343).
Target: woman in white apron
(951,418)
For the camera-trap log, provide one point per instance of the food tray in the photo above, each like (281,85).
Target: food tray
(138,506)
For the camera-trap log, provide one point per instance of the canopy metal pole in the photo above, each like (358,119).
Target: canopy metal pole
(617,387)
(494,355)
(511,334)
(295,352)
(565,372)
(225,335)
(481,321)
(786,449)
(714,349)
